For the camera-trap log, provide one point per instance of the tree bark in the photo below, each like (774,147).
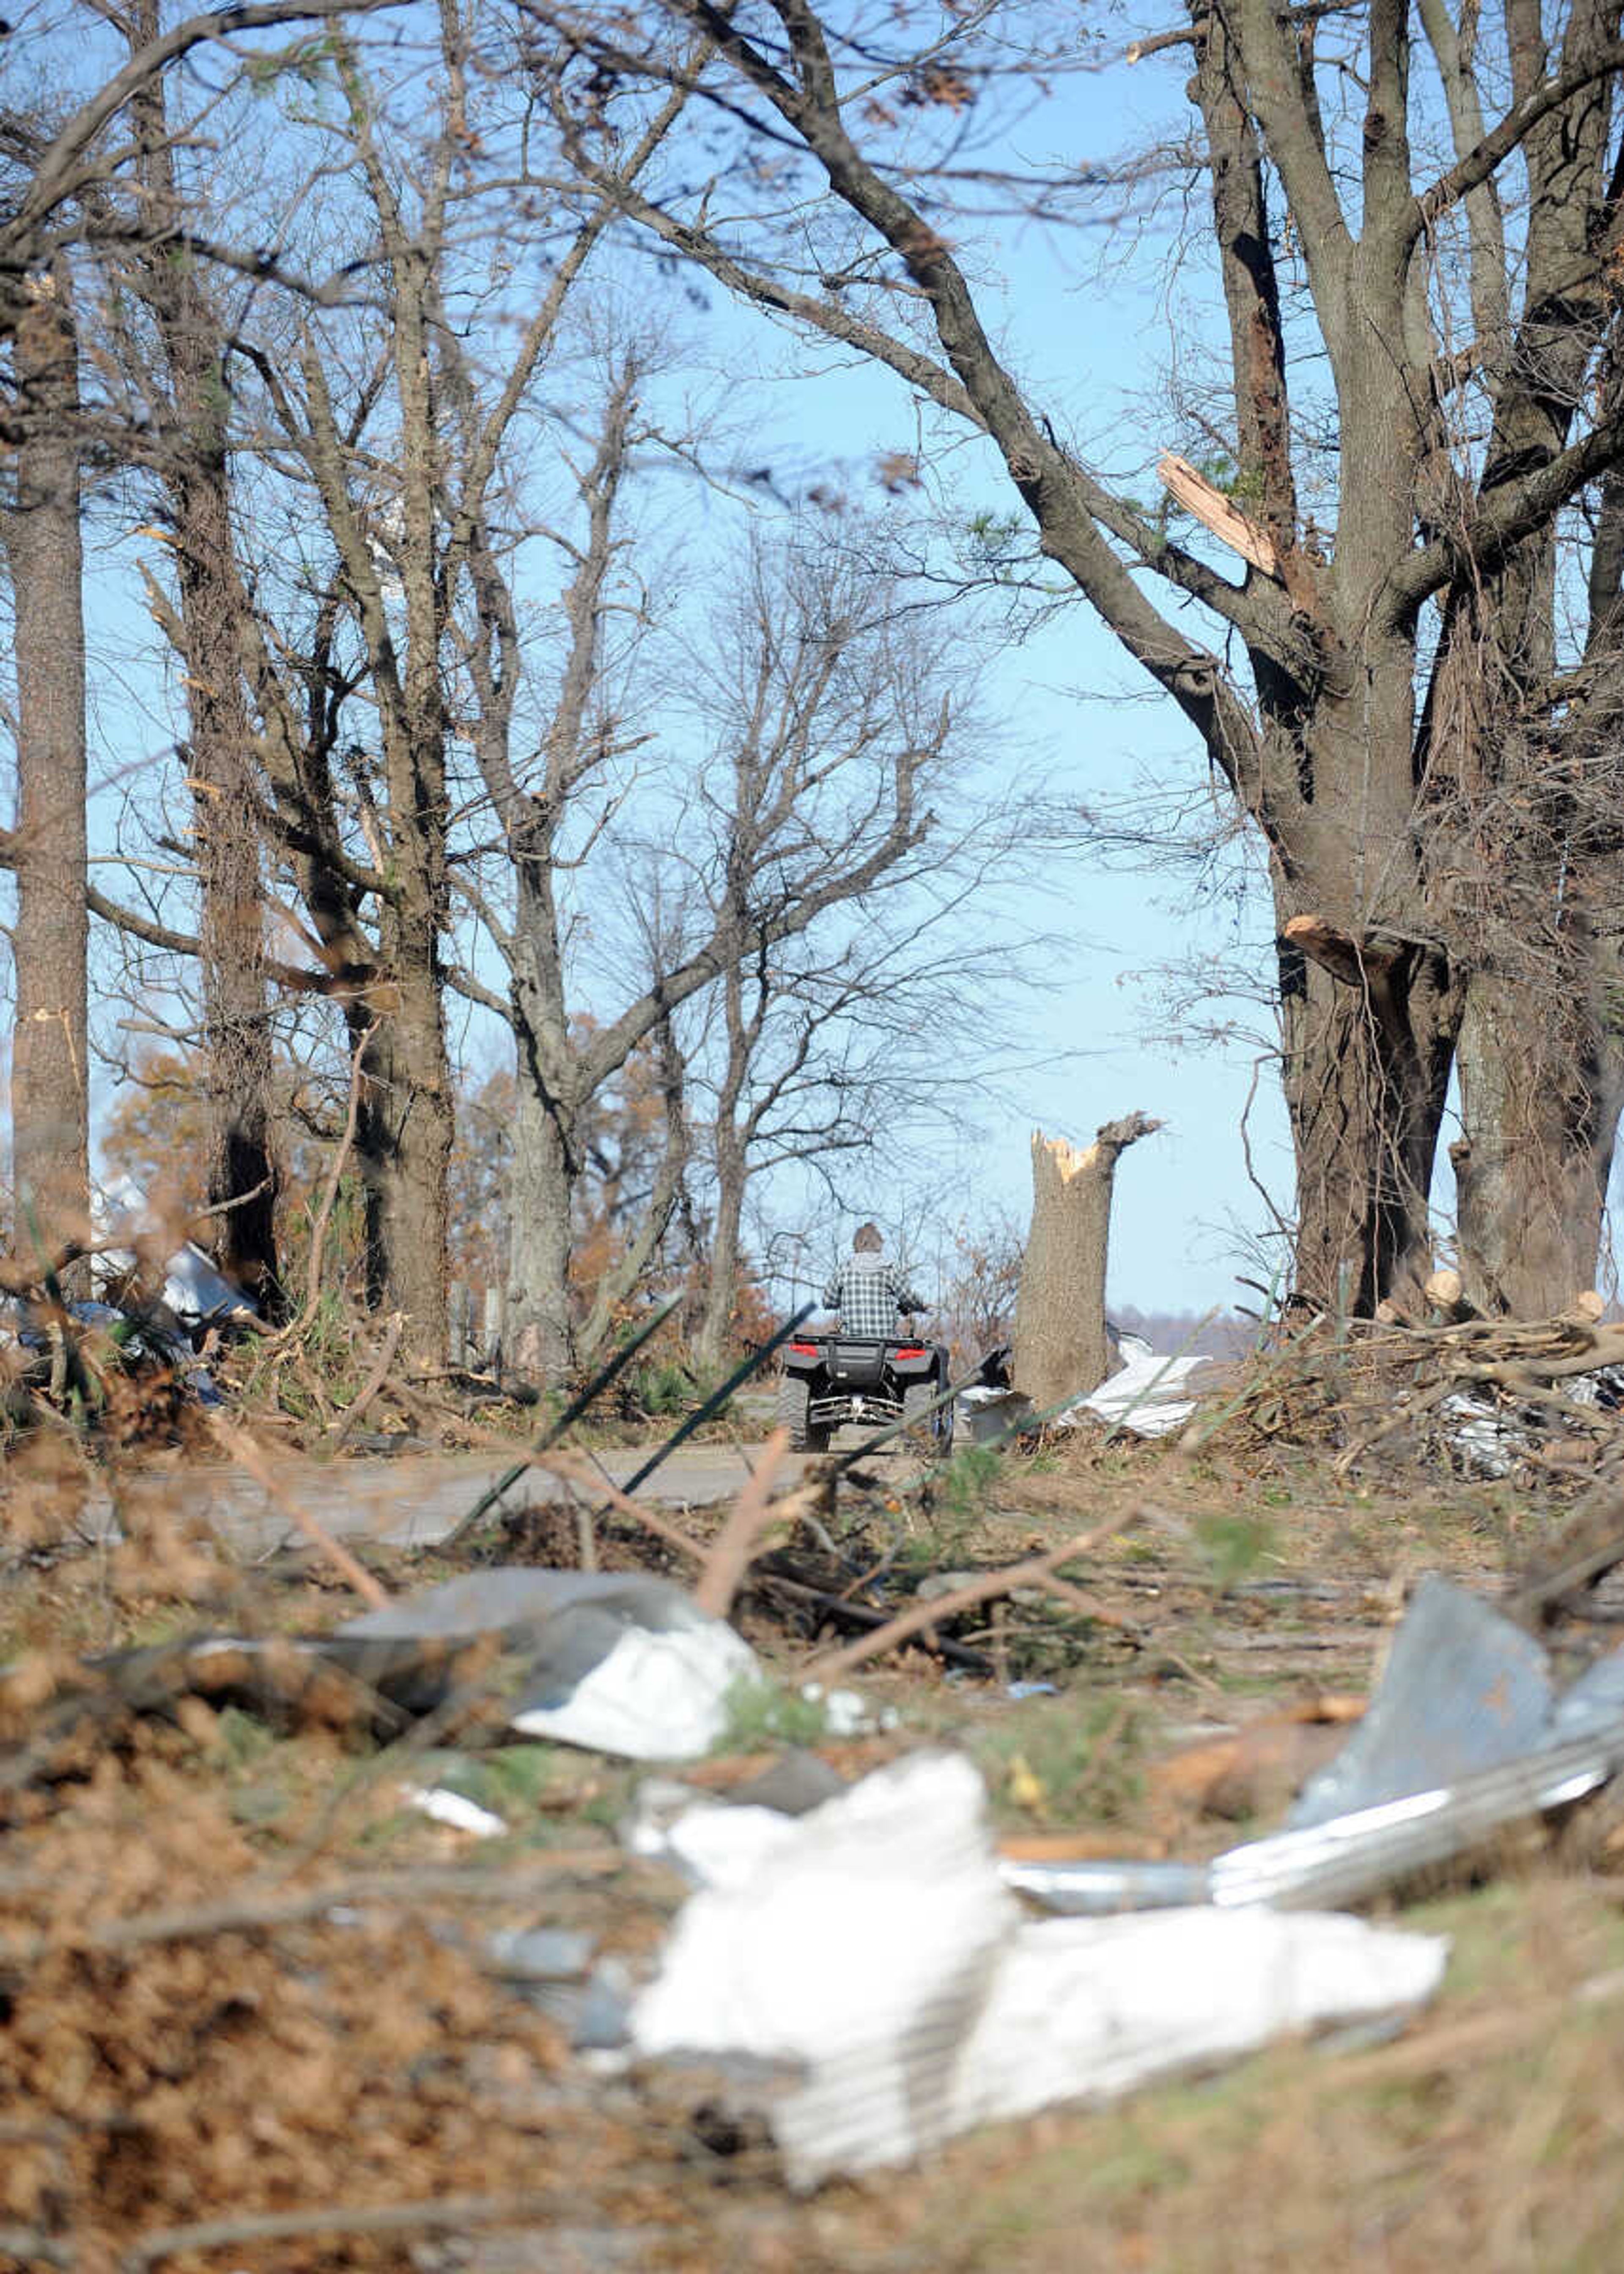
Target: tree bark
(732,1172)
(406,1129)
(1540,1106)
(540,1345)
(1062,1350)
(49,1070)
(237,1024)
(1368,1033)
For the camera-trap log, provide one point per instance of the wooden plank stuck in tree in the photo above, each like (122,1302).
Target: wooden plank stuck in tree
(1218,513)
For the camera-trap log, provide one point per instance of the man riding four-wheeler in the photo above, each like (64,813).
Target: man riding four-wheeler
(863,1370)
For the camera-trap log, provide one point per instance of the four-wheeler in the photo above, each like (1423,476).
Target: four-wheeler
(830,1379)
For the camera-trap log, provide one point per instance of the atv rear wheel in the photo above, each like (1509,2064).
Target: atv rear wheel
(794,1396)
(917,1399)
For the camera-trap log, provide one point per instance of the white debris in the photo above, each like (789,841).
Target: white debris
(985,1415)
(714,1845)
(845,1713)
(453,1809)
(655,1696)
(619,1662)
(1144,1394)
(1092,2009)
(868,1953)
(192,1288)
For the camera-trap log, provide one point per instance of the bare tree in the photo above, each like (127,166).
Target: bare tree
(47,849)
(828,1044)
(186,432)
(57,168)
(1320,738)
(838,765)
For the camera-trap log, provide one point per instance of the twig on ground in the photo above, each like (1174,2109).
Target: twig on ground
(440,2215)
(34,2249)
(858,1615)
(1089,1606)
(254,1913)
(729,1558)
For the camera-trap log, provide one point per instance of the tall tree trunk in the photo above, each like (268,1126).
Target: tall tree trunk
(236,1026)
(670,1185)
(1542,1085)
(1368,1012)
(546,1158)
(540,1331)
(241,1173)
(405,1131)
(1367,1036)
(50,1093)
(724,1245)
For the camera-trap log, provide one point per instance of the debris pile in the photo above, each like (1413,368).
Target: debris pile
(1476,1397)
(841,1956)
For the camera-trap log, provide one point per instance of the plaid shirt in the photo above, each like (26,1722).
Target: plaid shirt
(868,1291)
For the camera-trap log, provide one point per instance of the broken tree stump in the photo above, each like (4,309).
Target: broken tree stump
(1061,1348)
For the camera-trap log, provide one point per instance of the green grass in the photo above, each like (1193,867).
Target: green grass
(766,1713)
(1085,1751)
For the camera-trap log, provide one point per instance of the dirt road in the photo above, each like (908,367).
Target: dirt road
(416,1498)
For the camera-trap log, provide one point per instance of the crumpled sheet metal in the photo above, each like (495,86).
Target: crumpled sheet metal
(1463,1688)
(1146,1393)
(1466,1736)
(867,1955)
(619,1663)
(192,1288)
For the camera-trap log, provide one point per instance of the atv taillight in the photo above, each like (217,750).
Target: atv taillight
(909,1351)
(804,1349)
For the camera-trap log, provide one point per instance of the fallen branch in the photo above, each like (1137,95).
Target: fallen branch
(352,1414)
(256,1913)
(843,1612)
(441,2215)
(1033,1572)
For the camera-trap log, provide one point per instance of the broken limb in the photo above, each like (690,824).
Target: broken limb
(1035,1573)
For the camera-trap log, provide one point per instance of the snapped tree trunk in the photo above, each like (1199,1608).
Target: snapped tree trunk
(1542,1084)
(49,1098)
(1061,1348)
